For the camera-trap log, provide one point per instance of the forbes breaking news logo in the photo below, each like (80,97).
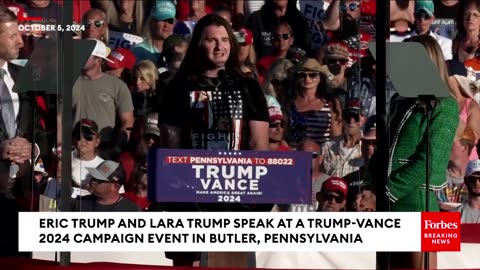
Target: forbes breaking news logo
(441,231)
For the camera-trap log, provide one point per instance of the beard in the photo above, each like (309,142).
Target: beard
(472,192)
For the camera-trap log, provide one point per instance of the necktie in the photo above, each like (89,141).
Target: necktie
(8,114)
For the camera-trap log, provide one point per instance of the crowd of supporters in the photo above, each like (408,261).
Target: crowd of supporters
(308,58)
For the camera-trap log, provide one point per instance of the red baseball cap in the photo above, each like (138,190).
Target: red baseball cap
(335,184)
(121,58)
(244,36)
(18,10)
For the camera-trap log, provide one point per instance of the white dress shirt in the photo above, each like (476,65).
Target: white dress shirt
(16,102)
(9,82)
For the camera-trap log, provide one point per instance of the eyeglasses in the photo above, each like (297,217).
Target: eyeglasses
(277,124)
(278,37)
(422,15)
(314,155)
(97,23)
(89,137)
(467,15)
(169,21)
(311,75)
(329,197)
(351,6)
(338,61)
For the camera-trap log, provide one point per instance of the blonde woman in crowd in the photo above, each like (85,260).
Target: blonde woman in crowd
(277,81)
(96,25)
(246,52)
(158,27)
(406,189)
(469,110)
(125,16)
(144,89)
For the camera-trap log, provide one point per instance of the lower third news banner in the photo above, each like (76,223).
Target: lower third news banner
(238,231)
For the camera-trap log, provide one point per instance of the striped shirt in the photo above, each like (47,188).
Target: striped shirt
(313,125)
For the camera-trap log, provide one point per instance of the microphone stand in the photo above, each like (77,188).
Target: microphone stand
(427,99)
(32,153)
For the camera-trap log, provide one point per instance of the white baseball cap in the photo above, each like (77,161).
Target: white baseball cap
(473,167)
(101,50)
(40,168)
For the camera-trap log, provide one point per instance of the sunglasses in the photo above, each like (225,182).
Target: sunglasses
(277,124)
(311,75)
(278,37)
(422,15)
(369,142)
(338,61)
(329,197)
(351,6)
(94,181)
(97,23)
(355,117)
(473,179)
(471,50)
(89,137)
(149,137)
(169,21)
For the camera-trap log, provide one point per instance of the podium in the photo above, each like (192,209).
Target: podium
(249,181)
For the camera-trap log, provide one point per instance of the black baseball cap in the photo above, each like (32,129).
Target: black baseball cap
(108,171)
(86,126)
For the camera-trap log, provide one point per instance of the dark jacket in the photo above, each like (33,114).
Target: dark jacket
(27,127)
(262,23)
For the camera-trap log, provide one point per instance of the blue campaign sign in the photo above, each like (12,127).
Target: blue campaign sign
(247,177)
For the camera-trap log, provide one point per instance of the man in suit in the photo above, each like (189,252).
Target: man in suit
(16,135)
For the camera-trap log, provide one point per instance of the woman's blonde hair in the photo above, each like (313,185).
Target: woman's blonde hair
(252,56)
(110,8)
(148,71)
(435,52)
(278,71)
(106,36)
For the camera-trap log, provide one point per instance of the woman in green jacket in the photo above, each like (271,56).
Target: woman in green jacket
(406,131)
(406,188)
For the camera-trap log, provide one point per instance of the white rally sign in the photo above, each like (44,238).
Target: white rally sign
(122,40)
